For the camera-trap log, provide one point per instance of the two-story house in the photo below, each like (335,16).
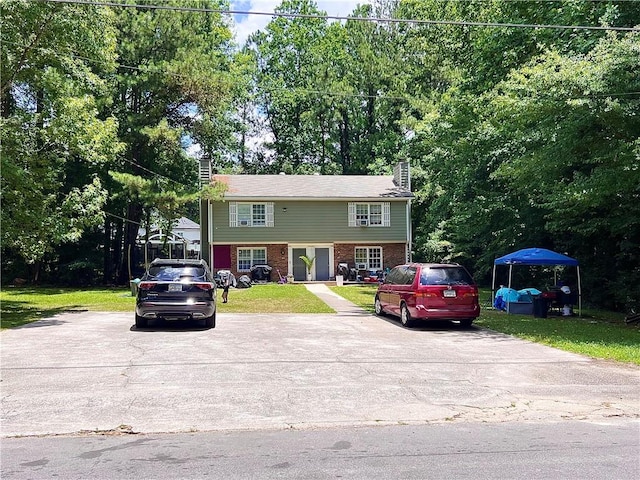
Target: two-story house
(363,221)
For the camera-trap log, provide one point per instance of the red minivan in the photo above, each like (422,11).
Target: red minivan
(429,291)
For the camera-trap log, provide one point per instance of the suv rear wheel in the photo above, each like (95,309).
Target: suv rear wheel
(141,322)
(211,321)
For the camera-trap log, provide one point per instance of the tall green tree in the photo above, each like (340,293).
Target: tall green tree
(576,122)
(54,141)
(331,93)
(287,63)
(174,81)
(504,150)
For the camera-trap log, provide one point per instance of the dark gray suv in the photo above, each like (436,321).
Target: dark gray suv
(176,290)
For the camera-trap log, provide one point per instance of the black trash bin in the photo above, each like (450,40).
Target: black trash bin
(540,306)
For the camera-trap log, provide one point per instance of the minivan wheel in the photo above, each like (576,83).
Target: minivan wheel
(141,322)
(466,322)
(405,316)
(378,307)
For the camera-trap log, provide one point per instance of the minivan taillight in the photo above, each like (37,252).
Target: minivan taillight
(426,295)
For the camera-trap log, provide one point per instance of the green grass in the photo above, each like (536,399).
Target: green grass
(272,298)
(24,305)
(598,333)
(361,295)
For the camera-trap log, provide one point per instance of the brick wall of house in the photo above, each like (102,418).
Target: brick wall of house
(392,254)
(277,256)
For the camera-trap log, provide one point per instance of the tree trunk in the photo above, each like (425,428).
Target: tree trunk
(345,142)
(116,259)
(107,266)
(134,214)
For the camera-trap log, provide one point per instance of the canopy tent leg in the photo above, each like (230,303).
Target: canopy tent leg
(510,270)
(493,285)
(579,293)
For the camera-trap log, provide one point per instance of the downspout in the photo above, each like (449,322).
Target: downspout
(409,232)
(409,222)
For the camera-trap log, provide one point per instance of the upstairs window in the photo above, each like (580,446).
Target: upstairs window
(369,214)
(250,214)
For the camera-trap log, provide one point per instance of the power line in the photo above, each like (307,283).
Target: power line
(149,69)
(122,218)
(155,173)
(347,18)
(300,90)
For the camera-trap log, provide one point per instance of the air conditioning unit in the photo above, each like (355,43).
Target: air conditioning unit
(363,222)
(361,266)
(244,223)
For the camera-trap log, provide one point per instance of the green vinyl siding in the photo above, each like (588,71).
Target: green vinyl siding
(309,222)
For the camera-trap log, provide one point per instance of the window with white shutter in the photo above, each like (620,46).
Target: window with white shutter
(233,214)
(352,214)
(370,214)
(243,214)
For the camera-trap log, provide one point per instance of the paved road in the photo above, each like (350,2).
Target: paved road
(90,371)
(564,450)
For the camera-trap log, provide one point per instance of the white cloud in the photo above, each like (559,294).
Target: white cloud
(245,25)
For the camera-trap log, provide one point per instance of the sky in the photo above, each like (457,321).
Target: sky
(245,25)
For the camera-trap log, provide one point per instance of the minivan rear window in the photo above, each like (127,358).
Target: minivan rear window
(445,276)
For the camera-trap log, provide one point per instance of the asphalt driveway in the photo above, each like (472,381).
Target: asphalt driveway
(90,371)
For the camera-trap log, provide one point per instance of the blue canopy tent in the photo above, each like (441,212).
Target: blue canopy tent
(537,256)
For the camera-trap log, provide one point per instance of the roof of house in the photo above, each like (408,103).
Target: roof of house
(184,223)
(315,187)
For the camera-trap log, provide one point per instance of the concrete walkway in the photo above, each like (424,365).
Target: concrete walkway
(335,301)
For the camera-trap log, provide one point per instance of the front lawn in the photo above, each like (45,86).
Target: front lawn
(598,333)
(21,305)
(272,298)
